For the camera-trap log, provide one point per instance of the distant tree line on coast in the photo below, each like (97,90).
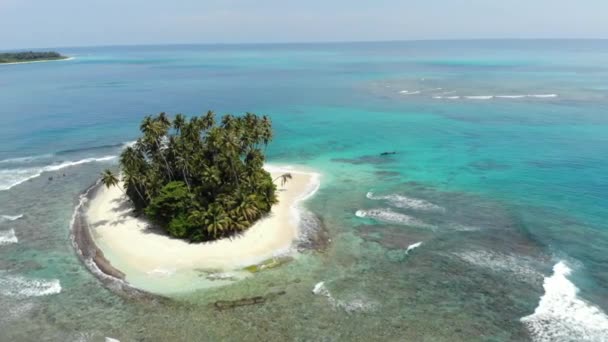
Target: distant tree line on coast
(29,56)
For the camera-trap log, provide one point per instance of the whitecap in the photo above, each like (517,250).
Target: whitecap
(109,339)
(25,159)
(20,287)
(510,96)
(405,202)
(390,216)
(412,247)
(129,144)
(13,177)
(320,289)
(480,97)
(8,237)
(463,228)
(562,315)
(10,218)
(350,306)
(543,96)
(406,92)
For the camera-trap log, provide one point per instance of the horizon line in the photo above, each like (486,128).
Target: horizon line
(302,43)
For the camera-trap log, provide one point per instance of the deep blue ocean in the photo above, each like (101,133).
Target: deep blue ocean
(500,172)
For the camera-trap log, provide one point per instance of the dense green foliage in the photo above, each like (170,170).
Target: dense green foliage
(29,56)
(197,179)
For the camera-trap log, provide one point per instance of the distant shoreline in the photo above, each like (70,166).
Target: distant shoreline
(41,61)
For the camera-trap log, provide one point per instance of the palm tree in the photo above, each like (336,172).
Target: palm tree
(108,178)
(179,122)
(133,164)
(220,165)
(154,130)
(284,178)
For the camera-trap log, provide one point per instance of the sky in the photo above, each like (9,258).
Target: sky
(63,23)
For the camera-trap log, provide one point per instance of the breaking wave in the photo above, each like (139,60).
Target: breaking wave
(412,247)
(404,202)
(10,218)
(20,287)
(350,306)
(12,177)
(490,97)
(8,237)
(480,97)
(562,316)
(28,159)
(42,157)
(390,216)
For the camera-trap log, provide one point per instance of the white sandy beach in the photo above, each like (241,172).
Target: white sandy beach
(147,257)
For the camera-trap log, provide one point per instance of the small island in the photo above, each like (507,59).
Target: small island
(194,202)
(30,56)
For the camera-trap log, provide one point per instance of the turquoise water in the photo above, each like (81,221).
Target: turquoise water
(500,171)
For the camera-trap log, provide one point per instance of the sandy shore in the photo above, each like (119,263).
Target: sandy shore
(157,263)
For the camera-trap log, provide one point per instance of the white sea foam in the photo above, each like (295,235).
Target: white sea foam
(10,218)
(510,96)
(463,228)
(543,96)
(350,306)
(8,237)
(387,215)
(320,289)
(109,339)
(129,144)
(562,315)
(480,97)
(20,287)
(161,272)
(25,159)
(405,202)
(518,266)
(490,97)
(300,217)
(222,276)
(412,247)
(406,92)
(13,177)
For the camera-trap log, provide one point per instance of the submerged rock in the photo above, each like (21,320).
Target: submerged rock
(396,255)
(230,304)
(268,264)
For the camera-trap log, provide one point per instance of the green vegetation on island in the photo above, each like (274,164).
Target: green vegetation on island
(29,56)
(196,179)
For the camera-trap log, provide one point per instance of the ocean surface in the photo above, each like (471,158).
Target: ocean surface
(489,223)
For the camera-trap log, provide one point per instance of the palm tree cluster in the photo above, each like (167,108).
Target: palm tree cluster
(199,180)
